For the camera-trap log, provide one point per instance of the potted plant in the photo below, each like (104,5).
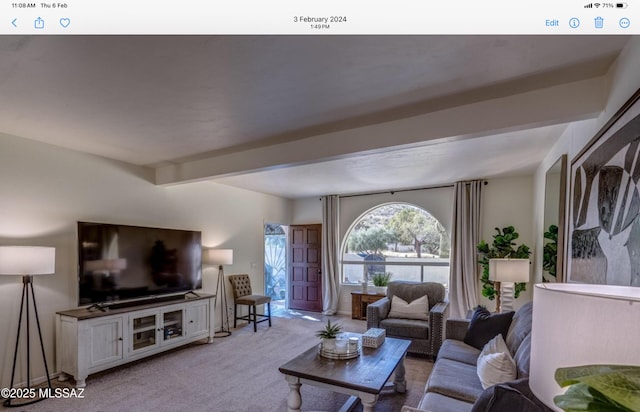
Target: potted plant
(328,335)
(380,281)
(599,388)
(503,246)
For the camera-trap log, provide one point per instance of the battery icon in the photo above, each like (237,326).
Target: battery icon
(621,5)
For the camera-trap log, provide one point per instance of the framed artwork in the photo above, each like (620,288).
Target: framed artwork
(604,223)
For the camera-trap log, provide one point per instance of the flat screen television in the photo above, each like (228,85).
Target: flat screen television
(119,262)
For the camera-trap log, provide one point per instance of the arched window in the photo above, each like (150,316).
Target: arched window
(398,238)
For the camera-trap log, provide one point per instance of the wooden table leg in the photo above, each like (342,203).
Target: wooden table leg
(294,400)
(399,382)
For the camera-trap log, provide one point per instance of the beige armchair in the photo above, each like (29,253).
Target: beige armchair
(426,335)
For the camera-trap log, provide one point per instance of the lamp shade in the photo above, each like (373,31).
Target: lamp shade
(27,260)
(218,257)
(577,325)
(509,270)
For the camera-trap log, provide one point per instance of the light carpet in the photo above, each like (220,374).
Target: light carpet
(234,374)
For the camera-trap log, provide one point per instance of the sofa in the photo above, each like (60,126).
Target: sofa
(426,335)
(454,385)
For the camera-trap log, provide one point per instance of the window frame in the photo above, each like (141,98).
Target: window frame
(345,241)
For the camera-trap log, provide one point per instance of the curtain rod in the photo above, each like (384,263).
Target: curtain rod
(404,190)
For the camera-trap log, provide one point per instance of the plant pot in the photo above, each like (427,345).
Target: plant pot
(329,344)
(381,289)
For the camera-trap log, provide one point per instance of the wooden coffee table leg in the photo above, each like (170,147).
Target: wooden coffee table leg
(294,400)
(400,383)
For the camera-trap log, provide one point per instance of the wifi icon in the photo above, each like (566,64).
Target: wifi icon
(596,4)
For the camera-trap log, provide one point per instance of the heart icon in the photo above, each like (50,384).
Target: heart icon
(64,22)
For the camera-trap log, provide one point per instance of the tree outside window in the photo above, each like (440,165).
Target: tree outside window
(398,238)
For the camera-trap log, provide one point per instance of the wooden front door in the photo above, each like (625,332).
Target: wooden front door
(305,275)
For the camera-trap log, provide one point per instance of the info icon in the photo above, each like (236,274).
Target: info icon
(574,22)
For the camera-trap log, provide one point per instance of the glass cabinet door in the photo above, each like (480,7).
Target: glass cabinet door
(144,331)
(172,325)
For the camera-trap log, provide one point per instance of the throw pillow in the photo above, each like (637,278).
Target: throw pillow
(509,397)
(495,364)
(417,309)
(484,326)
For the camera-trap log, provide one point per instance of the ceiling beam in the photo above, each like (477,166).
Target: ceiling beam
(553,105)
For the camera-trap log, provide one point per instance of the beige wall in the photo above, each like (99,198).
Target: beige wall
(508,202)
(46,190)
(306,211)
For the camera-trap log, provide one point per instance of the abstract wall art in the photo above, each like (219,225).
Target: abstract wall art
(604,227)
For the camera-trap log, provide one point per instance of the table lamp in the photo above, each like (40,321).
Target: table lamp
(505,273)
(577,325)
(220,257)
(27,261)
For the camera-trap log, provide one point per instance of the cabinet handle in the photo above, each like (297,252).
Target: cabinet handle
(190,321)
(120,338)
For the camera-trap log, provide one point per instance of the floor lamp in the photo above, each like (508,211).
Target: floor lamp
(27,261)
(505,273)
(220,257)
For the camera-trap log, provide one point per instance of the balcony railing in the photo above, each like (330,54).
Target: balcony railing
(411,269)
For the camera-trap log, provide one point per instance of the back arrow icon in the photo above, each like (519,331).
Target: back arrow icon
(14,22)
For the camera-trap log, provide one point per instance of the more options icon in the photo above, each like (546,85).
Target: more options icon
(625,23)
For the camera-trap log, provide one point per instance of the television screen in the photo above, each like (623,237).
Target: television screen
(118,262)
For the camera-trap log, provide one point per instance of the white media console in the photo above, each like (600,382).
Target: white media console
(89,341)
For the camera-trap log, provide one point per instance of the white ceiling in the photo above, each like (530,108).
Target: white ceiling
(162,101)
(514,153)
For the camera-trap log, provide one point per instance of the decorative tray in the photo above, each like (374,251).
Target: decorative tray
(330,354)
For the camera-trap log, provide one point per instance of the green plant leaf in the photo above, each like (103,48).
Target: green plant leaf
(330,331)
(503,246)
(381,278)
(580,398)
(620,384)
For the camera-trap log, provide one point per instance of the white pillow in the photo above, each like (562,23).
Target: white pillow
(495,364)
(417,309)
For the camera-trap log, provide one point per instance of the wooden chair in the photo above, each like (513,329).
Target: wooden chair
(242,295)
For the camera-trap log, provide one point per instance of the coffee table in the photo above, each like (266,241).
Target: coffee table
(363,377)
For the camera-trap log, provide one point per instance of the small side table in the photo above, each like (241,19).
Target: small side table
(360,301)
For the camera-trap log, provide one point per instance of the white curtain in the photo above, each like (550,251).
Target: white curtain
(330,244)
(465,235)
